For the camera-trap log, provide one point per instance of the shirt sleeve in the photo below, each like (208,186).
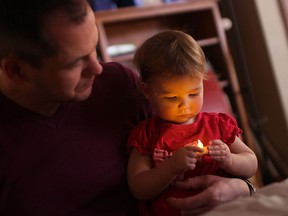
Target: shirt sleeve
(228,128)
(139,138)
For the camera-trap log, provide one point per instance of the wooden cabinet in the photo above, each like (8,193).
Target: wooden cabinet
(133,25)
(200,18)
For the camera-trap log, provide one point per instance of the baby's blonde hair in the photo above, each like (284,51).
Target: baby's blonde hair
(170,53)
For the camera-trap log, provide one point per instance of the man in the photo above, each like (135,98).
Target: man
(65,118)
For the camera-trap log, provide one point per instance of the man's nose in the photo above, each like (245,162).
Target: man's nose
(94,67)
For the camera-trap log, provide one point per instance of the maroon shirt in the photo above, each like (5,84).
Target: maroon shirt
(73,163)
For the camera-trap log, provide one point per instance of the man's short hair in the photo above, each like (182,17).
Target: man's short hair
(21,26)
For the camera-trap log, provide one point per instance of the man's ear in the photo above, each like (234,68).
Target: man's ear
(13,68)
(146,90)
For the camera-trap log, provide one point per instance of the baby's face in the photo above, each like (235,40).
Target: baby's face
(178,99)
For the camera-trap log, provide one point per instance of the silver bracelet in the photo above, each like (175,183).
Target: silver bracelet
(252,189)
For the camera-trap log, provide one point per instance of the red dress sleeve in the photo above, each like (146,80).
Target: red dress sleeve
(141,137)
(228,128)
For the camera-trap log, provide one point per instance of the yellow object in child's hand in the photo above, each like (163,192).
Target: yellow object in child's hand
(205,149)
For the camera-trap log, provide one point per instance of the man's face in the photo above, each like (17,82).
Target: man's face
(69,75)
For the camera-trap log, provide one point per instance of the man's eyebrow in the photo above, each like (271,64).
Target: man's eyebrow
(82,57)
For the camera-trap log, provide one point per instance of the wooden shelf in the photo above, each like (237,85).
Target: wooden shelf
(208,42)
(135,24)
(123,58)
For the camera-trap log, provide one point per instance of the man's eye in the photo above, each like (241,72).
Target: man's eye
(73,65)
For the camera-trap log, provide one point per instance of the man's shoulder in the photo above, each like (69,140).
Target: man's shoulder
(149,124)
(111,65)
(117,69)
(118,76)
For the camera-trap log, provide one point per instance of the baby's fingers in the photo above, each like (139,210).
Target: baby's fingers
(216,142)
(218,149)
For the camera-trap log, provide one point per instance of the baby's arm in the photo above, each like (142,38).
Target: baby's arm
(237,159)
(146,182)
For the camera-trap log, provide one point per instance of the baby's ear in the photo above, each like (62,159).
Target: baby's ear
(146,90)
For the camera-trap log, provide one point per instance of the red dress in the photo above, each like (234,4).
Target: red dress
(154,134)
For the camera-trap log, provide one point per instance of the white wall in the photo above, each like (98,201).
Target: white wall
(277,44)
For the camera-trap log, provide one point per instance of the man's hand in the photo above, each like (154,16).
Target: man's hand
(216,190)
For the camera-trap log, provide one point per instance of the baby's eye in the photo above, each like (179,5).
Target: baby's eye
(193,95)
(170,98)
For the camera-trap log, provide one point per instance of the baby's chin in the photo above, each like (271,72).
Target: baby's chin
(180,122)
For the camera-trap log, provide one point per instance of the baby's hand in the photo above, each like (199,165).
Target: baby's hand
(160,155)
(183,159)
(220,152)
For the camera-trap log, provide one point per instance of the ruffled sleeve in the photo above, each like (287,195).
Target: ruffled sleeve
(228,128)
(141,137)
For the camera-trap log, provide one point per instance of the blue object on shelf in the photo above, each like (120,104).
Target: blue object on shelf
(102,5)
(110,4)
